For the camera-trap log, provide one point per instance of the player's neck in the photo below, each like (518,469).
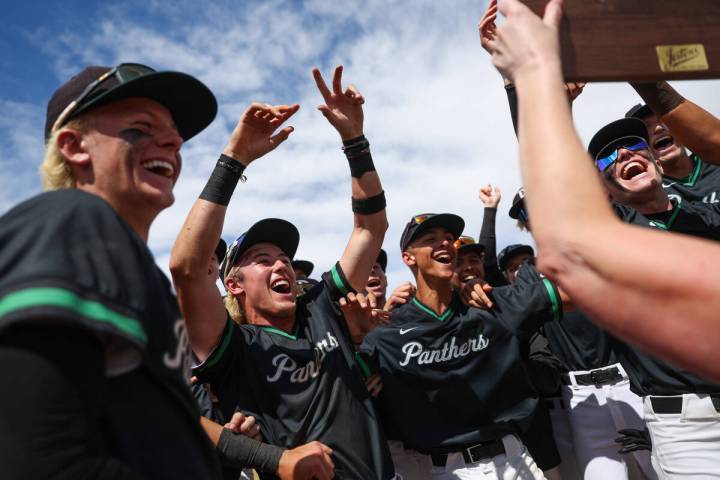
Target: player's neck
(285,323)
(434,293)
(680,168)
(658,203)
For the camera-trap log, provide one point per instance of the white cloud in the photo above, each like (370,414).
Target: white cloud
(436,113)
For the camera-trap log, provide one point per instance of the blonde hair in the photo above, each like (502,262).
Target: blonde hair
(232,303)
(55,172)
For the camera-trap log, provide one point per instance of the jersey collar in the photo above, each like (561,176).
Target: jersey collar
(446,314)
(690,179)
(673,215)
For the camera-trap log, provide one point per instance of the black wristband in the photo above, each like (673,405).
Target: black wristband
(370,205)
(659,96)
(361,164)
(240,451)
(223,180)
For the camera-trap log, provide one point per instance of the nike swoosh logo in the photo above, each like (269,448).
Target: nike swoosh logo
(668,185)
(403,331)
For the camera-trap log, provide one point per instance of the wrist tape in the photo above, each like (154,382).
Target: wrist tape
(221,184)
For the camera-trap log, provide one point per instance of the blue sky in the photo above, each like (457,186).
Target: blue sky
(436,114)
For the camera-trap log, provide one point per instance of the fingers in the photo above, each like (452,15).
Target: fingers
(281,136)
(372,301)
(381,316)
(353,94)
(337,80)
(553,14)
(320,82)
(374,384)
(479,296)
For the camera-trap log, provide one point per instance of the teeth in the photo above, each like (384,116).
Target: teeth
(160,166)
(279,282)
(468,278)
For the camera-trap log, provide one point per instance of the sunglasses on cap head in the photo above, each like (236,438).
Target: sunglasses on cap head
(123,73)
(464,240)
(609,155)
(418,219)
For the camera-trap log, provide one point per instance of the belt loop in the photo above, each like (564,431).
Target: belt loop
(573,382)
(621,370)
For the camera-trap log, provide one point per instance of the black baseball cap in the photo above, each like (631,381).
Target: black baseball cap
(425,221)
(191,104)
(382,259)
(220,250)
(466,243)
(517,203)
(279,232)
(510,251)
(304,266)
(614,131)
(639,111)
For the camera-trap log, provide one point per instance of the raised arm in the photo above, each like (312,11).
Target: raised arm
(344,112)
(668,307)
(195,283)
(693,126)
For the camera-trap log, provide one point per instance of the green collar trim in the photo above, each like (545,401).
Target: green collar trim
(220,351)
(691,178)
(277,331)
(427,310)
(51,297)
(673,216)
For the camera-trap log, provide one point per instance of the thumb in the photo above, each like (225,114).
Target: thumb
(507,6)
(553,14)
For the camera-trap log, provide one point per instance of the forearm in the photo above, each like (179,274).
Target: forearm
(555,166)
(691,125)
(369,228)
(197,240)
(487,233)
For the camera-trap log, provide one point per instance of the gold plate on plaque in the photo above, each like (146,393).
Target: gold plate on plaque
(682,58)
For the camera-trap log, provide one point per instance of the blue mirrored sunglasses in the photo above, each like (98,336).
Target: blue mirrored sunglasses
(609,154)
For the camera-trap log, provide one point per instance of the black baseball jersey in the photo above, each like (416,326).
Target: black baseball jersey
(67,258)
(691,218)
(701,185)
(578,343)
(305,385)
(460,378)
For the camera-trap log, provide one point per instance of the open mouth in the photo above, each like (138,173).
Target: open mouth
(443,257)
(632,169)
(280,286)
(159,167)
(663,142)
(468,277)
(374,283)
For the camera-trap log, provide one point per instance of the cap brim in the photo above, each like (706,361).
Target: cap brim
(303,265)
(515,209)
(625,127)
(452,223)
(191,104)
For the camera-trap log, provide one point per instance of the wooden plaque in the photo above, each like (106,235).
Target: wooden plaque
(620,40)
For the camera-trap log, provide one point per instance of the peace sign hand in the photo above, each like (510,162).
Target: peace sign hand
(342,109)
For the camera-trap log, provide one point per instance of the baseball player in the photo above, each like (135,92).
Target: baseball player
(680,123)
(303,269)
(91,337)
(291,364)
(377,282)
(678,405)
(462,366)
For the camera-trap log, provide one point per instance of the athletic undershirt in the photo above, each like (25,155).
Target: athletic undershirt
(68,260)
(304,385)
(459,378)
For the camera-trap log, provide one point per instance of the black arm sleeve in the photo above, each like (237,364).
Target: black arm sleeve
(493,275)
(543,366)
(50,425)
(245,452)
(513,104)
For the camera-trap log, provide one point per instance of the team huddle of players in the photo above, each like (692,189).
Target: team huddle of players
(480,368)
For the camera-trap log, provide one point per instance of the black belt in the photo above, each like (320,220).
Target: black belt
(471,454)
(674,404)
(601,376)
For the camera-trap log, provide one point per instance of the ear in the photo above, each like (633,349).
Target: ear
(234,285)
(71,145)
(408,259)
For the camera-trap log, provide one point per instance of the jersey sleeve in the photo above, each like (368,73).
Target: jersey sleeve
(529,302)
(69,259)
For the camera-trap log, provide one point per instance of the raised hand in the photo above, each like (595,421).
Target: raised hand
(487,27)
(311,461)
(253,135)
(574,89)
(361,314)
(342,109)
(525,42)
(400,296)
(474,293)
(490,196)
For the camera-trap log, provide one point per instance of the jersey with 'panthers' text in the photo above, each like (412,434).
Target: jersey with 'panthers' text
(303,385)
(459,378)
